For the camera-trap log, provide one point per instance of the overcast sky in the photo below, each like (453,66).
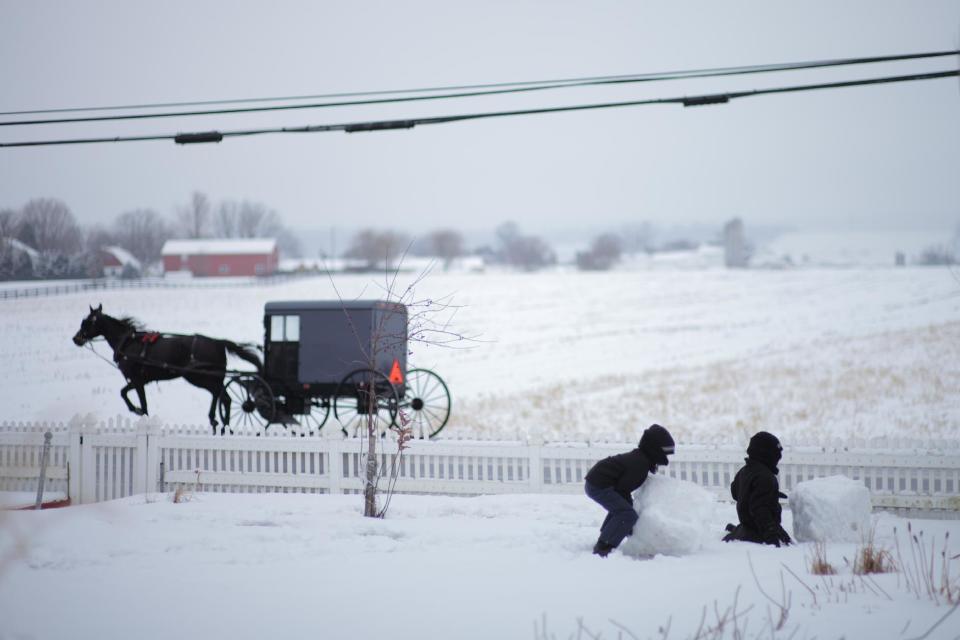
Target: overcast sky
(886,156)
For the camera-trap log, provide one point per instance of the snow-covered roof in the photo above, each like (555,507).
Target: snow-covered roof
(20,246)
(123,256)
(218,247)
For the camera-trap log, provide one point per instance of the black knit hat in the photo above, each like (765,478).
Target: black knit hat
(657,443)
(765,447)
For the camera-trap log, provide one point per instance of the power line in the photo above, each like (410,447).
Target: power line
(382,125)
(663,75)
(463,91)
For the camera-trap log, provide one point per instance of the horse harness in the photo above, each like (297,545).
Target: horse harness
(147,338)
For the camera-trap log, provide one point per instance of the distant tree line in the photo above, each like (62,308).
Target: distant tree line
(608,248)
(233,219)
(522,251)
(43,239)
(947,254)
(938,255)
(40,240)
(385,248)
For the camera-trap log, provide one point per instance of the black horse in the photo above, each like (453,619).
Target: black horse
(145,356)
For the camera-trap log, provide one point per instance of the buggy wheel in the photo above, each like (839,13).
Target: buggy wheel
(246,405)
(425,406)
(318,410)
(362,396)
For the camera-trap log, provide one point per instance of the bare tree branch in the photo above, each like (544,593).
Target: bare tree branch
(194,218)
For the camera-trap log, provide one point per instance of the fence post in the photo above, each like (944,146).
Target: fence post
(141,470)
(335,453)
(75,460)
(154,471)
(88,461)
(536,467)
(47,437)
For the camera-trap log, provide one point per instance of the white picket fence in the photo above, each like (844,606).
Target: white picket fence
(93,461)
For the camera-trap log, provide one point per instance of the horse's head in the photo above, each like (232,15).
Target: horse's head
(91,327)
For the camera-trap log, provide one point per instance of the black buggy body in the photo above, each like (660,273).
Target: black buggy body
(311,345)
(350,357)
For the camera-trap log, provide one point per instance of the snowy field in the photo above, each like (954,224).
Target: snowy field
(297,566)
(713,354)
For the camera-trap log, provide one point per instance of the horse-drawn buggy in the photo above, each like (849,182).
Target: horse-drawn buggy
(348,358)
(345,358)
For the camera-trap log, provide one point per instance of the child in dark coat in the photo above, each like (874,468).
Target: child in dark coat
(757,492)
(612,481)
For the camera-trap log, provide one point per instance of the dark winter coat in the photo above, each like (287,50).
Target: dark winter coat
(624,472)
(757,492)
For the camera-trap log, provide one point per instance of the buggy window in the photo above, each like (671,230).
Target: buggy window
(284,328)
(292,333)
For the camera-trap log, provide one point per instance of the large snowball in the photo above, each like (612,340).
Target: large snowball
(676,518)
(834,509)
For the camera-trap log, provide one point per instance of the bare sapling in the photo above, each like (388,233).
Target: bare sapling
(404,323)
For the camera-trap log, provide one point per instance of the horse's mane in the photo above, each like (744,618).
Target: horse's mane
(131,323)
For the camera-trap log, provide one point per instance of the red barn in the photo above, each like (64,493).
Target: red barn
(249,257)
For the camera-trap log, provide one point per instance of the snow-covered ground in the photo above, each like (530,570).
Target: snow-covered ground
(713,354)
(874,248)
(298,566)
(812,353)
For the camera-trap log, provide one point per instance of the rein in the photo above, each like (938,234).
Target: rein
(89,345)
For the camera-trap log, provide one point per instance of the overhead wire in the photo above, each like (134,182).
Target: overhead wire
(462,91)
(662,75)
(381,125)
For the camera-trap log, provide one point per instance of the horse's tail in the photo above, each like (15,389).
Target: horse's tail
(245,351)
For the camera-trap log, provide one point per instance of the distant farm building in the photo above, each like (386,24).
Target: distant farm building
(17,260)
(734,244)
(204,258)
(118,262)
(14,248)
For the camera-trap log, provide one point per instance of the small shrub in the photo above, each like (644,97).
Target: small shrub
(871,559)
(819,565)
(181,495)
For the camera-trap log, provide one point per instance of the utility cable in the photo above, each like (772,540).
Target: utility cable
(463,91)
(665,75)
(382,125)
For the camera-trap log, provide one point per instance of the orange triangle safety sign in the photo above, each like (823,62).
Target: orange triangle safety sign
(396,376)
